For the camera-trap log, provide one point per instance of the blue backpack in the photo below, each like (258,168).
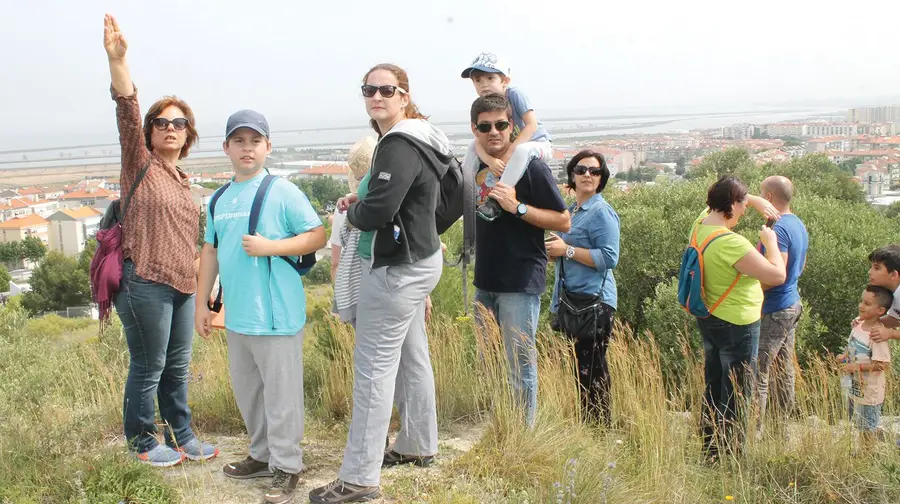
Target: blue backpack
(690,277)
(302,266)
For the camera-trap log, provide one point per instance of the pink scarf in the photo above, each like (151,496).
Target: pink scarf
(106,269)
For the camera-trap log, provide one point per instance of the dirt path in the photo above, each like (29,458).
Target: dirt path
(205,483)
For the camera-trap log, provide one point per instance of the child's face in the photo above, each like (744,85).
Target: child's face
(880,276)
(247,149)
(487,83)
(869,309)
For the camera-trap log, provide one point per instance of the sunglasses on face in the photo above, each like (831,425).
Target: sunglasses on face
(162,124)
(485,127)
(581,170)
(369,91)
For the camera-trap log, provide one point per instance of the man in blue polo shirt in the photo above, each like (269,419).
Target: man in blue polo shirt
(265,303)
(781,305)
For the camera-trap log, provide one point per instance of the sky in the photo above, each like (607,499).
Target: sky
(301,62)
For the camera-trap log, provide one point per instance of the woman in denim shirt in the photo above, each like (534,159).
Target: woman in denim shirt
(590,251)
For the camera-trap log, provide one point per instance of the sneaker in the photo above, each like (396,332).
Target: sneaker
(337,491)
(282,489)
(392,458)
(489,210)
(198,450)
(161,456)
(247,469)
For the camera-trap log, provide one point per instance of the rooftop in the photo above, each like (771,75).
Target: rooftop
(23,222)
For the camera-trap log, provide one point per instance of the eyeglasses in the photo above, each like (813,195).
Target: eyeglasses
(581,170)
(369,91)
(485,127)
(162,124)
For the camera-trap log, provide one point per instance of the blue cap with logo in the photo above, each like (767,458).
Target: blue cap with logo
(487,62)
(247,119)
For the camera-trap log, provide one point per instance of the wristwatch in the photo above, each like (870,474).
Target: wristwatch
(570,252)
(521,209)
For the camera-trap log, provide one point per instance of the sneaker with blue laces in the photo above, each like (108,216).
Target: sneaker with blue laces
(197,450)
(161,456)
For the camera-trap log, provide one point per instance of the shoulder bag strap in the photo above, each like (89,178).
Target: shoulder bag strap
(137,182)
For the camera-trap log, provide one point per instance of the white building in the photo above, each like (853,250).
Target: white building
(69,229)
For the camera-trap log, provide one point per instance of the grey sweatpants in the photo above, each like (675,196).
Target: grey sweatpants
(391,350)
(267,378)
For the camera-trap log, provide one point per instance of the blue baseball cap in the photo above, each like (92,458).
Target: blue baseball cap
(247,119)
(487,62)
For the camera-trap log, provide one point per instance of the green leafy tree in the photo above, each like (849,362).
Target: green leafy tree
(10,252)
(58,282)
(33,248)
(87,255)
(893,210)
(4,279)
(201,235)
(323,191)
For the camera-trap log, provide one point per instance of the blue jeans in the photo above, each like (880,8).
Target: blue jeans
(159,328)
(516,313)
(727,349)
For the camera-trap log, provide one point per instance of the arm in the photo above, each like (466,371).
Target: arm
(867,367)
(546,219)
(392,175)
(209,269)
(762,205)
(302,244)
(765,286)
(531,126)
(769,269)
(128,113)
(335,260)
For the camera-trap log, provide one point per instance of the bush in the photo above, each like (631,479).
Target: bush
(320,273)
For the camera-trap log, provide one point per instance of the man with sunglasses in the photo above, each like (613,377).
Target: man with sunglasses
(510,258)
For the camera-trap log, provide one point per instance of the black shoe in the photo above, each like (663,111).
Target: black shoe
(247,469)
(489,210)
(392,458)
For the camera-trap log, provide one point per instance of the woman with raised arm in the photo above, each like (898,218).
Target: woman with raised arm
(155,300)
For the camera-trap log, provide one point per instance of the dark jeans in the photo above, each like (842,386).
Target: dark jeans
(727,349)
(159,327)
(593,370)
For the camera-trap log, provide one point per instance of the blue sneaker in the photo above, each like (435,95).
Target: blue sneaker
(161,456)
(197,450)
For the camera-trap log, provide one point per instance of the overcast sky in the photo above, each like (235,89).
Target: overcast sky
(300,62)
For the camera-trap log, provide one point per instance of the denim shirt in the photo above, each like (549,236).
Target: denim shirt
(595,226)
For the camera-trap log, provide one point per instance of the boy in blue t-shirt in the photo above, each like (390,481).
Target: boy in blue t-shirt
(531,140)
(266,303)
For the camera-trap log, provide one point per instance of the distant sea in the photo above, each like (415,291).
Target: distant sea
(88,149)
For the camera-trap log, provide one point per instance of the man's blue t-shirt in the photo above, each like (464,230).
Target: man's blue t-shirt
(793,239)
(520,105)
(259,301)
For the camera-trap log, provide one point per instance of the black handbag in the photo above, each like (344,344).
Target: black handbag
(578,315)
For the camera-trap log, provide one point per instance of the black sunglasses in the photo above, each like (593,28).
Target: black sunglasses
(369,90)
(485,127)
(162,124)
(581,170)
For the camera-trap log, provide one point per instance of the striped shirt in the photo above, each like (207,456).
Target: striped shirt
(162,221)
(346,281)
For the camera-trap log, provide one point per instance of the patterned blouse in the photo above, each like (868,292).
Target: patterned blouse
(162,221)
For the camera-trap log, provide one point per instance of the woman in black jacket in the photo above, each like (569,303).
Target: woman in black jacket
(395,207)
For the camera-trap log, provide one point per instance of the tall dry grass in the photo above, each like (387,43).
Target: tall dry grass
(60,403)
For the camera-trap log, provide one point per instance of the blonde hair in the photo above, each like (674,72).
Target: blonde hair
(360,159)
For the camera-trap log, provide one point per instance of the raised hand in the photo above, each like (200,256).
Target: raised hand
(113,40)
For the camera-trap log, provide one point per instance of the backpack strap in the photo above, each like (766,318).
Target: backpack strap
(212,212)
(307,261)
(706,243)
(137,182)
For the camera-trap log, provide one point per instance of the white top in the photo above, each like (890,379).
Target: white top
(336,224)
